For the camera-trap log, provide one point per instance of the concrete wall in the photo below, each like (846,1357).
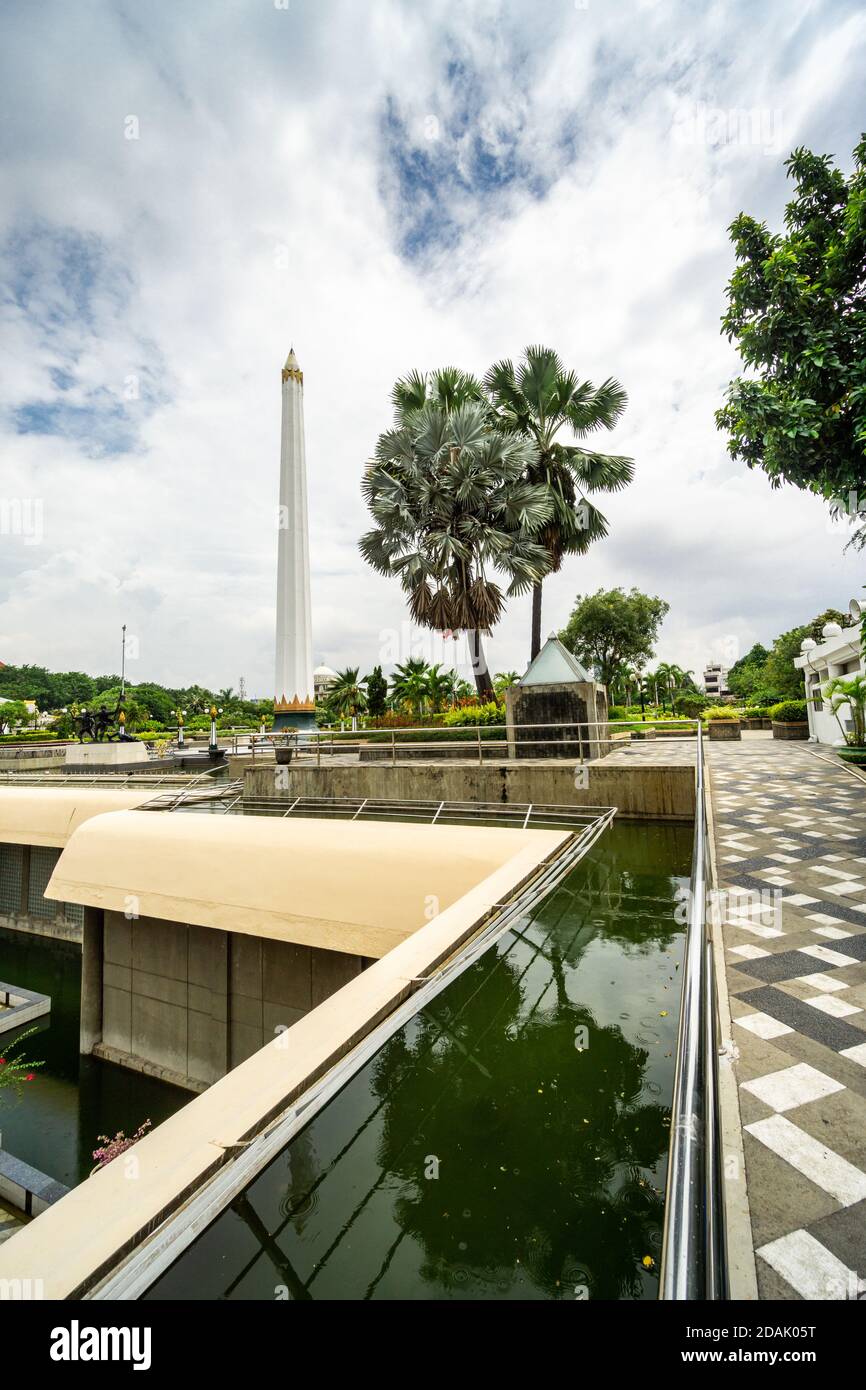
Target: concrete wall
(577,702)
(188,1003)
(32,757)
(649,792)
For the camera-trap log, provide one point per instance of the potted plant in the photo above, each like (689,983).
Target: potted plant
(789,720)
(723,721)
(850,691)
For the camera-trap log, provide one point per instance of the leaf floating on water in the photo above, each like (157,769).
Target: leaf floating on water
(648,1262)
(663,1014)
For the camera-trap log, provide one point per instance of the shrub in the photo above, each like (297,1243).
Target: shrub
(691,704)
(491,713)
(789,712)
(617,712)
(721,712)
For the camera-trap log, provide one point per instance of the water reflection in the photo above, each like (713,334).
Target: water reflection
(511,1141)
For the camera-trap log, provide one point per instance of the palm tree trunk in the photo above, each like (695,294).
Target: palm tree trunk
(535,645)
(483,683)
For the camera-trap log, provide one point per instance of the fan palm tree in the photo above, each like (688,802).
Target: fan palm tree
(452,505)
(536,400)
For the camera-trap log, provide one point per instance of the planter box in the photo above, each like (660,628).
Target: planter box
(856,756)
(791,731)
(754,723)
(723,728)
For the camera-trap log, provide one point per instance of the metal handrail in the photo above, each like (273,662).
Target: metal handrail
(476,740)
(693,1251)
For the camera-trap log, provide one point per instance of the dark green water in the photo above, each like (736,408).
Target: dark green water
(73,1099)
(491,1149)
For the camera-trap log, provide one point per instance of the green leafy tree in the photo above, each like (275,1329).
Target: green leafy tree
(452,508)
(830,615)
(611,626)
(537,400)
(13,713)
(377,692)
(747,674)
(797,312)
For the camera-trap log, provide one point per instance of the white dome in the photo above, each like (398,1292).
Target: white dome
(830,630)
(808,644)
(324,671)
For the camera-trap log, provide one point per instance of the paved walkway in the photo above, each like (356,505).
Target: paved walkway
(790,840)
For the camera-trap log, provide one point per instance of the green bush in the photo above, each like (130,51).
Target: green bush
(491,713)
(691,704)
(29,737)
(617,712)
(721,712)
(789,712)
(452,735)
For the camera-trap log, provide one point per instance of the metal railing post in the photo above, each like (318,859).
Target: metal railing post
(693,1252)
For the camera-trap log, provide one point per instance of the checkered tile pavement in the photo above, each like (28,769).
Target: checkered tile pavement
(790,840)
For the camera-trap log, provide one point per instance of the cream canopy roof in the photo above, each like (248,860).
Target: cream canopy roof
(49,815)
(359,887)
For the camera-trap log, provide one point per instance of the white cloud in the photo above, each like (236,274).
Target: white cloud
(261,204)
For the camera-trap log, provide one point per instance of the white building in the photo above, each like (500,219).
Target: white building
(837,654)
(716,679)
(323,680)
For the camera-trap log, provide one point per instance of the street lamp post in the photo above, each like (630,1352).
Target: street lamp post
(213,748)
(179,715)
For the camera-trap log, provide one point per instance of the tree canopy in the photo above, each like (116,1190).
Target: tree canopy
(612,627)
(797,313)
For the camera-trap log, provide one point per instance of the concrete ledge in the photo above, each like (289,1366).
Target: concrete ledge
(19,1006)
(25,1188)
(141,1064)
(58,930)
(648,791)
(110,755)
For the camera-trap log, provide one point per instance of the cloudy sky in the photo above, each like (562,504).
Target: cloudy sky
(189,187)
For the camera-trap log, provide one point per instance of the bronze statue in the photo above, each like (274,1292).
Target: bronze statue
(85,725)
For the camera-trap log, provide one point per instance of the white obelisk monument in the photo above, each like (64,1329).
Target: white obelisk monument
(293,693)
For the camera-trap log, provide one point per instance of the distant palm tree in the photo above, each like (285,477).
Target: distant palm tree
(452,505)
(503,680)
(438,687)
(347,696)
(409,684)
(536,400)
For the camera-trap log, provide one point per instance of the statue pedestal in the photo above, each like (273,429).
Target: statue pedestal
(105,755)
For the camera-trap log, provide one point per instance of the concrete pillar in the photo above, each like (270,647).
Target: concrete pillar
(91,980)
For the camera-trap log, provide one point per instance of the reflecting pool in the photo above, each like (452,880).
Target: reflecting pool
(72,1099)
(511,1141)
